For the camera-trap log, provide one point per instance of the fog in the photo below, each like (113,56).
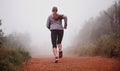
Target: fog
(29,16)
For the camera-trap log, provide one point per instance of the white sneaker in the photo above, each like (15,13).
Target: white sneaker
(56,59)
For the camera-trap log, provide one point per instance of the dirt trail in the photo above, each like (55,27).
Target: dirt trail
(72,64)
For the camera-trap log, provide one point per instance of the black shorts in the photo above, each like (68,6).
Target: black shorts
(56,37)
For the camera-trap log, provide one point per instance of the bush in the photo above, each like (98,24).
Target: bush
(106,46)
(13,52)
(10,60)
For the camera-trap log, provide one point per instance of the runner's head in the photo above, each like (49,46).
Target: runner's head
(54,9)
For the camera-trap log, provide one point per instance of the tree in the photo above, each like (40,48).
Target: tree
(1,35)
(101,34)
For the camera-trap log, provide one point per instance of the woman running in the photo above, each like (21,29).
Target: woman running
(54,24)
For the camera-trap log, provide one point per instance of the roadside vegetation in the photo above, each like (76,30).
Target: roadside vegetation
(13,52)
(100,36)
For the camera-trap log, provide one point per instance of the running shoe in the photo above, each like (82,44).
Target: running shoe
(56,59)
(60,54)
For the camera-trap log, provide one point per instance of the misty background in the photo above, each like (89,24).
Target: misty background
(29,17)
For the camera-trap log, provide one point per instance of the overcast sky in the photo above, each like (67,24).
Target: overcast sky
(29,16)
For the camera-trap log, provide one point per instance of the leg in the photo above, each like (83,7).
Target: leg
(53,40)
(55,52)
(60,36)
(60,47)
(55,55)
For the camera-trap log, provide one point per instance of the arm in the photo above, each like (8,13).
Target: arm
(48,23)
(65,22)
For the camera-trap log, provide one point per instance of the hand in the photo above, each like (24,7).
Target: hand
(65,27)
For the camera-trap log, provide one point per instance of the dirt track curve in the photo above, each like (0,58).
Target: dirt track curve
(72,64)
